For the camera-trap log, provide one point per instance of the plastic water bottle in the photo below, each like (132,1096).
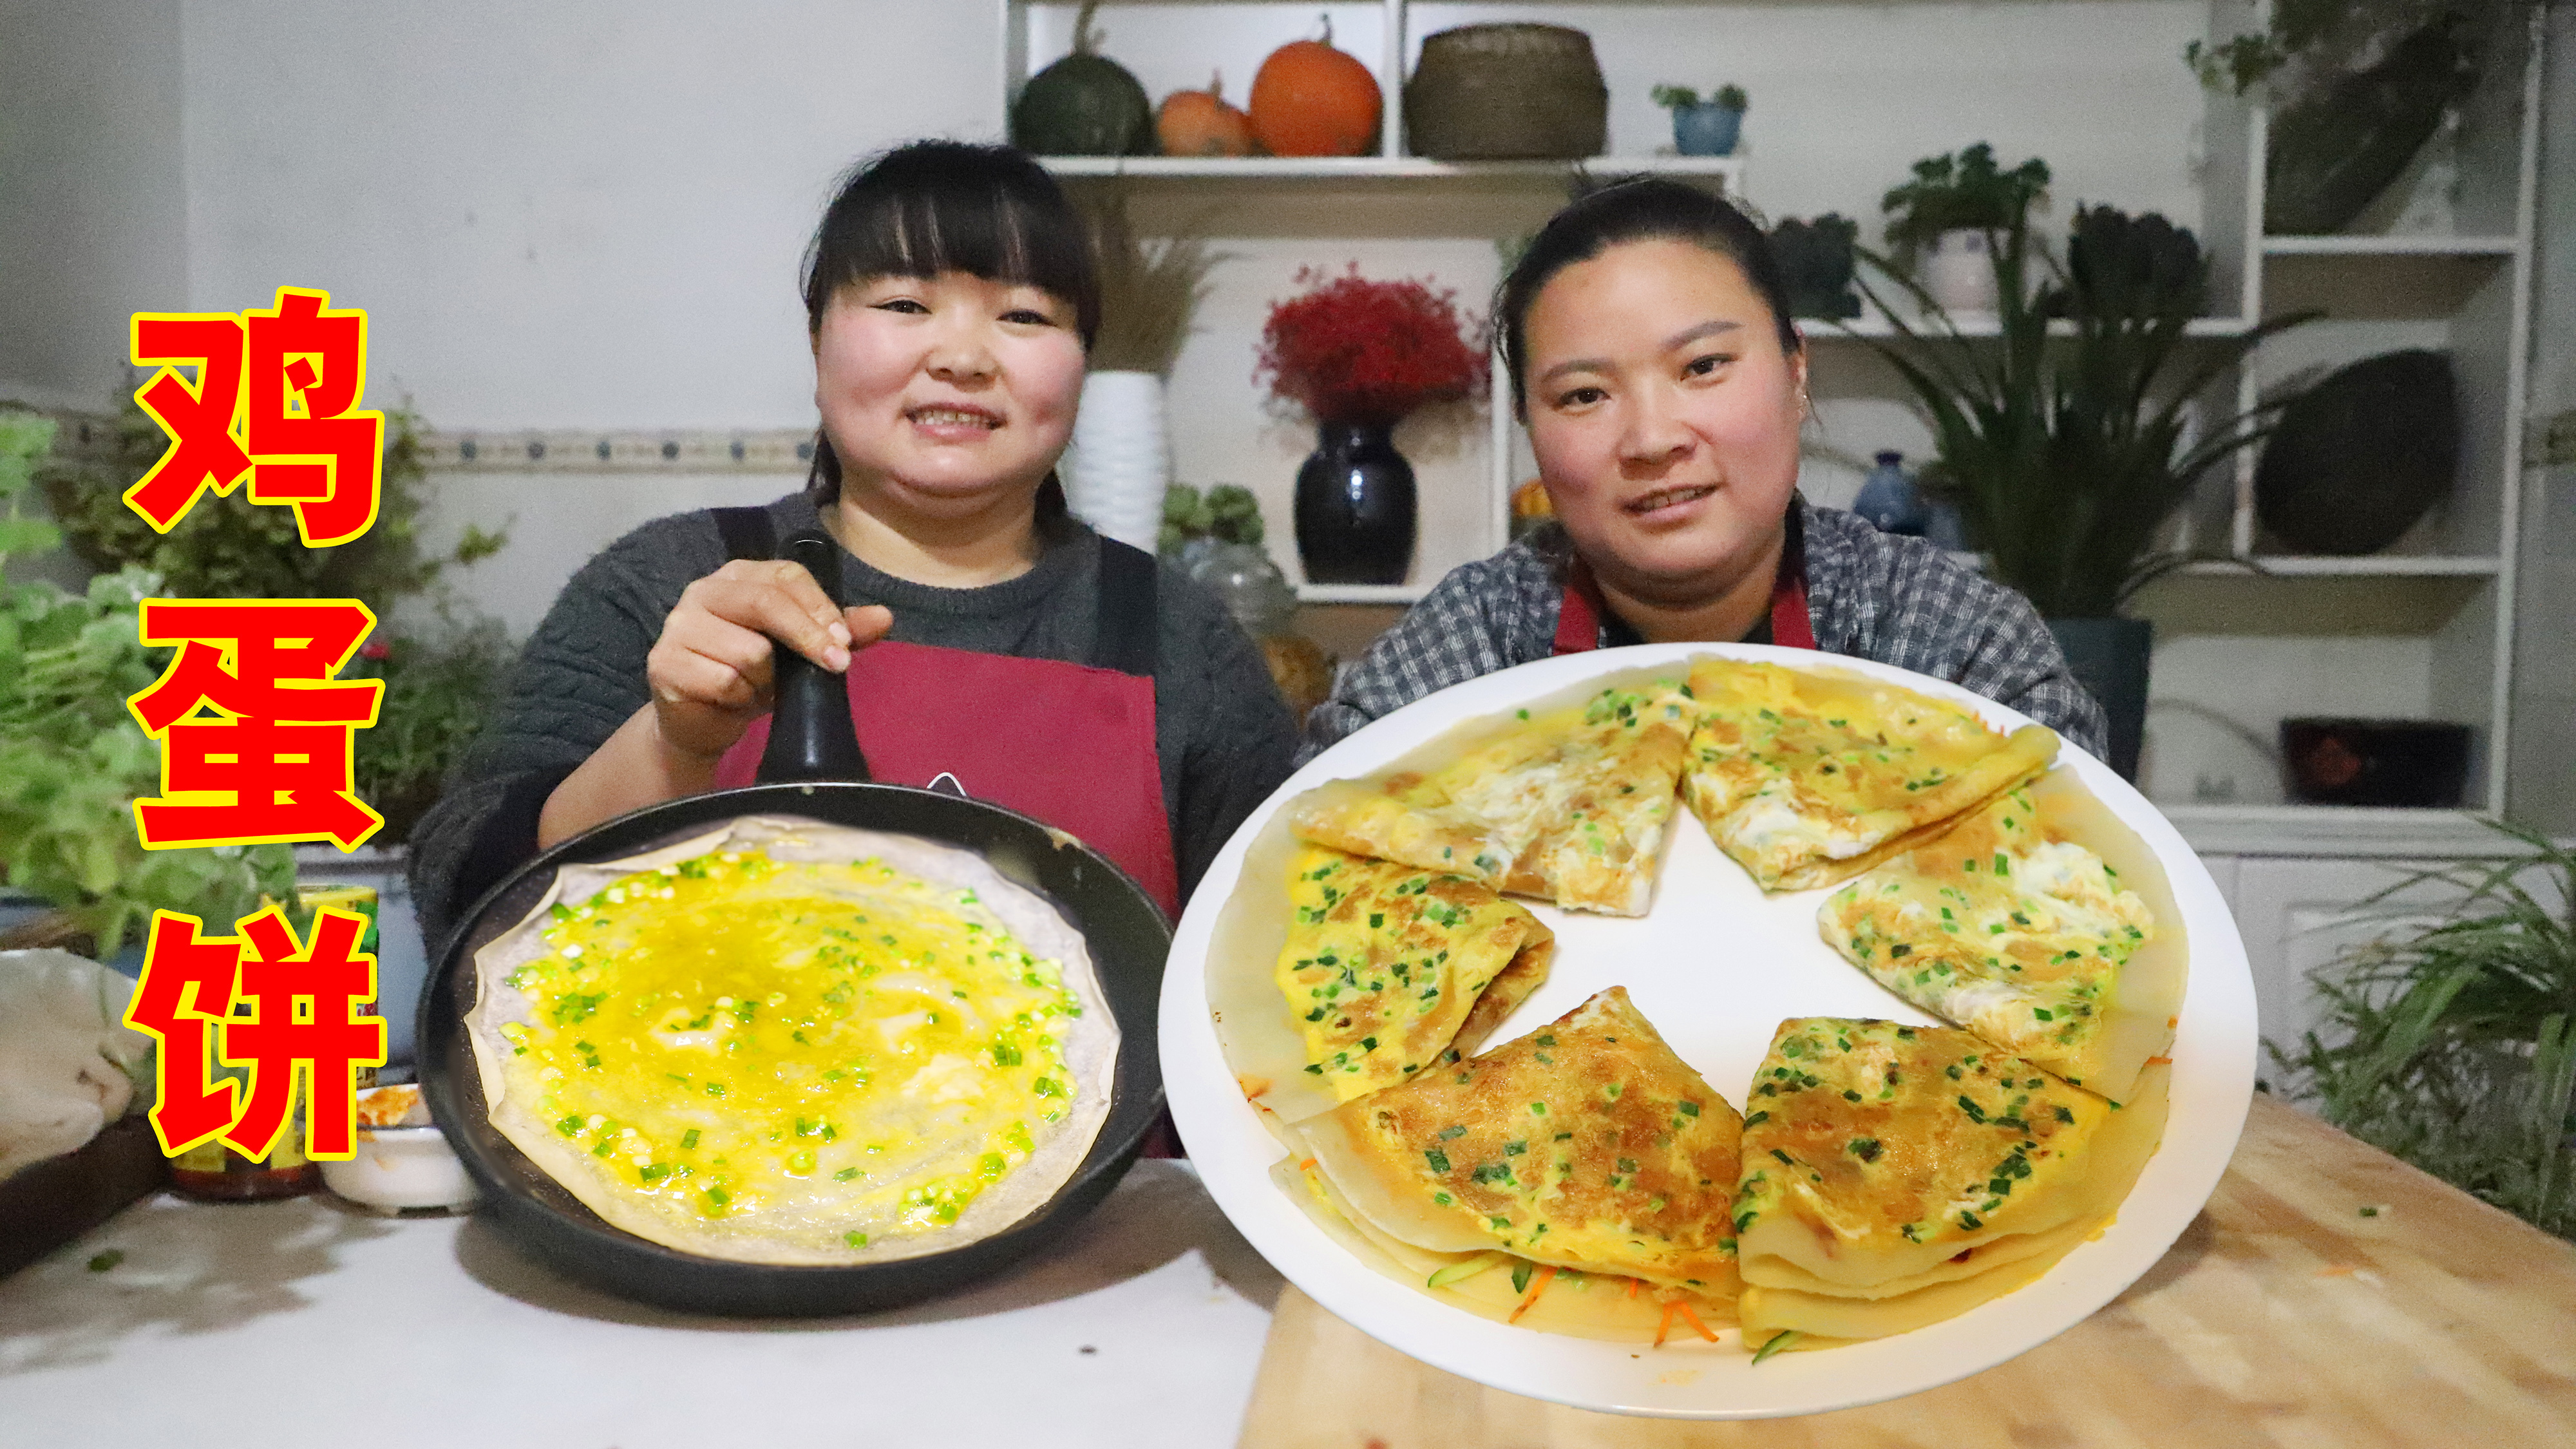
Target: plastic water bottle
(1889,499)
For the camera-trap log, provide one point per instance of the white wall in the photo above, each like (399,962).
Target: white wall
(92,209)
(579,214)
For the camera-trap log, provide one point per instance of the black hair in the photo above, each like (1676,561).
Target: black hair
(928,207)
(1642,208)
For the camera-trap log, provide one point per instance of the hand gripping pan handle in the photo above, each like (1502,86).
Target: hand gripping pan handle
(811,736)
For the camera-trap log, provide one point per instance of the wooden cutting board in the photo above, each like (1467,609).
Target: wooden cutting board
(2283,1316)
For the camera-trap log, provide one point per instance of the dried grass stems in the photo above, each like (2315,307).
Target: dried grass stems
(1150,288)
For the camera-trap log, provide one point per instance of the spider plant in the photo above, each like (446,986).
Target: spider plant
(2456,1049)
(2068,452)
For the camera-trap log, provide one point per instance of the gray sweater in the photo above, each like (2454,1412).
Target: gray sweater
(1222,731)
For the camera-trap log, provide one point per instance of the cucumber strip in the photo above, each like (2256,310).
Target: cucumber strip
(1469,1268)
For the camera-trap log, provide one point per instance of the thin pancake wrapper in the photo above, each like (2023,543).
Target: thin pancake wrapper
(797,1043)
(1586,1144)
(1808,777)
(1572,805)
(1507,1288)
(1896,1175)
(2039,922)
(1389,968)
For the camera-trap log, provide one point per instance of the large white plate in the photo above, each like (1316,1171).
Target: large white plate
(1715,966)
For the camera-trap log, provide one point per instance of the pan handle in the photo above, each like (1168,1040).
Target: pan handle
(810,733)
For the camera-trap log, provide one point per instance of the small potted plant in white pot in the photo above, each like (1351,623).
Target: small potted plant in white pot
(1944,226)
(1704,128)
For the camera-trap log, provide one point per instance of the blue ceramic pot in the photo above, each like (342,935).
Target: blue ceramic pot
(1707,129)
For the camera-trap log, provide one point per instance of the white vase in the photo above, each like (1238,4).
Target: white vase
(1959,272)
(1121,458)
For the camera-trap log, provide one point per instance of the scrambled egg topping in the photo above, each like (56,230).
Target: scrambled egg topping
(740,1034)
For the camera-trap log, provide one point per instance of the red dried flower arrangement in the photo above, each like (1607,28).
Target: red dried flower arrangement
(1355,351)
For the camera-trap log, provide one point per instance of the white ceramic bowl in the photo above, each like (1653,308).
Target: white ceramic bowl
(402,1167)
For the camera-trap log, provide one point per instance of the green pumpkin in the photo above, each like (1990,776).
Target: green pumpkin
(1084,105)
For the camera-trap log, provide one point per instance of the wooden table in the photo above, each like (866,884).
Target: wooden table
(2285,1315)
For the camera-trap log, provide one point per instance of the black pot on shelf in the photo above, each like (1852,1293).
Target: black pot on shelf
(2109,658)
(1355,507)
(2389,762)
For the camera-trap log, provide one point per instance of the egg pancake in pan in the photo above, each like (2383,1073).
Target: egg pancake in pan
(797,1044)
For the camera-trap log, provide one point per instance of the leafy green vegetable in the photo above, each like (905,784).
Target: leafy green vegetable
(439,676)
(72,760)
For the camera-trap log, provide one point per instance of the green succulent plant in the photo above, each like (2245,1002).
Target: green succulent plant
(1228,514)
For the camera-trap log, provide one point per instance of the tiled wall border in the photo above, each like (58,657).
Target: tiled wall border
(671,450)
(85,436)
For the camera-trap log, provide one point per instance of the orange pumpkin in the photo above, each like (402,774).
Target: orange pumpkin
(1200,123)
(1312,100)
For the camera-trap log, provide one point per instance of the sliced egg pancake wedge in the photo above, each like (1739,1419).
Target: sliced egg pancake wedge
(1807,777)
(1390,968)
(774,1052)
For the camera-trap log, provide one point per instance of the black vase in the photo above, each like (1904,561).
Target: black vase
(2109,658)
(1355,507)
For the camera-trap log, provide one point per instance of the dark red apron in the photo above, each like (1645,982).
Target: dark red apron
(1068,744)
(1578,618)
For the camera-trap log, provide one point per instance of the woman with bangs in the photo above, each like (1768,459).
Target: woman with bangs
(1653,360)
(991,638)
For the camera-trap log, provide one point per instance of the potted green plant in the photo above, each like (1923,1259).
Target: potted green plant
(2455,1047)
(1944,225)
(1815,260)
(227,547)
(73,760)
(1216,539)
(2067,456)
(1704,128)
(2356,88)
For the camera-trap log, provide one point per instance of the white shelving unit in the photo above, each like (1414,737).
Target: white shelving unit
(2258,633)
(2465,290)
(1499,198)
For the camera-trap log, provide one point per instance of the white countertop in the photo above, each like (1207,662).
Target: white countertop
(280,1325)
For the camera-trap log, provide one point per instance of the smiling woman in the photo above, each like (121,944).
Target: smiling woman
(1652,359)
(994,639)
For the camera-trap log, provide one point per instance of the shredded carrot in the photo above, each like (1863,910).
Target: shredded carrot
(1306,1166)
(1634,1284)
(2172,1022)
(2159,1061)
(1684,1309)
(1546,1275)
(1666,1326)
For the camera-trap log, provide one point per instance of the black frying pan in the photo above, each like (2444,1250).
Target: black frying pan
(812,768)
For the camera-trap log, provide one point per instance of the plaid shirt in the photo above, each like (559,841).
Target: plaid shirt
(1871,595)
